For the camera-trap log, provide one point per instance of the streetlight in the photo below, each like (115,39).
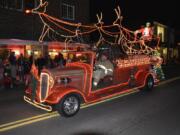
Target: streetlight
(27,11)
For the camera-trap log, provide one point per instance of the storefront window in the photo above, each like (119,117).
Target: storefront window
(53,54)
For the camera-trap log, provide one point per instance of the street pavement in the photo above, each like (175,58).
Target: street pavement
(142,113)
(171,70)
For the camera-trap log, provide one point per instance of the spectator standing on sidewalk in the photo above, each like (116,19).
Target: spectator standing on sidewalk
(1,73)
(31,60)
(40,63)
(12,61)
(48,62)
(20,64)
(59,60)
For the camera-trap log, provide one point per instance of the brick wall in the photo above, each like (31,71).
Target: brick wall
(16,24)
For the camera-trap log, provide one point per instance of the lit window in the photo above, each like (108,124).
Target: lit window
(15,4)
(37,2)
(68,11)
(160,32)
(3,3)
(11,4)
(19,4)
(29,4)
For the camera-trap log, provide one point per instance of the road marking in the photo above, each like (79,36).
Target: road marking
(110,99)
(169,80)
(28,122)
(23,120)
(34,119)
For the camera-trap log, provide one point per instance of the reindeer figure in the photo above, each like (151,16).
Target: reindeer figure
(123,37)
(48,21)
(40,10)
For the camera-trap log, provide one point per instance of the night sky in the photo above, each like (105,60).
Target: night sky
(138,12)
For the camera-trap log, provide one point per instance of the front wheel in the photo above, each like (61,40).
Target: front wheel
(68,106)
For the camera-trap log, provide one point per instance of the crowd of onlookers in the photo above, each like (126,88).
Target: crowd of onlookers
(18,68)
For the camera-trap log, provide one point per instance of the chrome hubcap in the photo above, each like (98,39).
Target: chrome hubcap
(150,83)
(71,105)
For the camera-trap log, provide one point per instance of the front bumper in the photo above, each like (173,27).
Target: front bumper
(38,105)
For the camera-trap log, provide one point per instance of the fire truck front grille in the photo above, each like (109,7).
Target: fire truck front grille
(44,86)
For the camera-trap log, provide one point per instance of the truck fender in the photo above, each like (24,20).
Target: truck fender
(57,95)
(141,77)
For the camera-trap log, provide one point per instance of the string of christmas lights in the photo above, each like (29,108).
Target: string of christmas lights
(120,35)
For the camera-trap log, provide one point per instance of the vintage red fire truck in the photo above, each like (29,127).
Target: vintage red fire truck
(66,88)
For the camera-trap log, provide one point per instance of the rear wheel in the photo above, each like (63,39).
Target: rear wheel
(68,106)
(149,84)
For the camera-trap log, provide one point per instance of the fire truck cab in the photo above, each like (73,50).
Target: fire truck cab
(66,88)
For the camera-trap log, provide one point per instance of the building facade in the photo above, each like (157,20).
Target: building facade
(168,46)
(15,23)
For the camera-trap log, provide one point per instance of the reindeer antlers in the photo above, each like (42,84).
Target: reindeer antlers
(119,17)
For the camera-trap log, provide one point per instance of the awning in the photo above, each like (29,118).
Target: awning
(31,42)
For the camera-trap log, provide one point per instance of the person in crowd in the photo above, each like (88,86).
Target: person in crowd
(27,68)
(59,60)
(1,73)
(49,62)
(103,67)
(71,58)
(12,61)
(20,65)
(40,63)
(31,60)
(33,77)
(7,79)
